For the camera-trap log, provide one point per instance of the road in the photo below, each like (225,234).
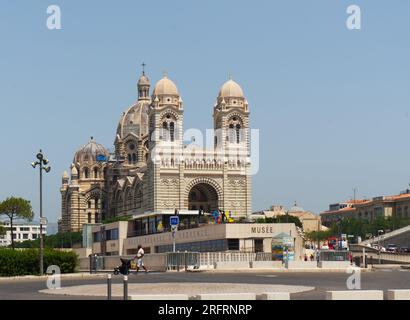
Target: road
(380,279)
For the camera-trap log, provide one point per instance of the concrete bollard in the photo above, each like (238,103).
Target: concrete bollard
(402,294)
(109,287)
(125,287)
(355,295)
(273,296)
(225,296)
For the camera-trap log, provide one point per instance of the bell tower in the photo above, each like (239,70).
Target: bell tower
(231,119)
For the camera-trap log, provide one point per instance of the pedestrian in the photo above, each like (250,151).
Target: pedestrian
(351,258)
(139,257)
(312,258)
(223,217)
(306,258)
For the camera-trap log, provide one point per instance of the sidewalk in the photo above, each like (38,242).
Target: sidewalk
(79,275)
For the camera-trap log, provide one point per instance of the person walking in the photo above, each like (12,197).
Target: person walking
(139,257)
(223,217)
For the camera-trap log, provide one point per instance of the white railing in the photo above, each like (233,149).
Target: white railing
(209,258)
(387,235)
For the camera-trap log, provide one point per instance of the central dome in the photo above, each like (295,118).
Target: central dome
(165,87)
(134,120)
(231,89)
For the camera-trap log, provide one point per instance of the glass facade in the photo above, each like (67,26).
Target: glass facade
(160,223)
(97,236)
(111,234)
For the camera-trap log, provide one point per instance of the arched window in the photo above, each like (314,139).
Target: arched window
(89,217)
(238,132)
(231,133)
(86,173)
(165,131)
(129,158)
(89,204)
(96,217)
(138,198)
(172,131)
(95,173)
(134,157)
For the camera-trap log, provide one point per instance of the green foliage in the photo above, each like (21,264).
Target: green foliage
(362,227)
(281,219)
(26,262)
(16,208)
(318,235)
(288,219)
(2,230)
(115,219)
(59,240)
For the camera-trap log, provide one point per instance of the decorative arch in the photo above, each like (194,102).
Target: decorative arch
(169,112)
(239,119)
(203,193)
(209,181)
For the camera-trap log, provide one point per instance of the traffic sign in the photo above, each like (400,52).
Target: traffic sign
(43,221)
(174,220)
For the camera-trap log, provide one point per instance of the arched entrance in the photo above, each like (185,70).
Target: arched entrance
(203,196)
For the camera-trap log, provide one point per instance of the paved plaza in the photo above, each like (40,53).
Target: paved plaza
(298,284)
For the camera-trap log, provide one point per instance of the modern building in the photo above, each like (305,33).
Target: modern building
(153,171)
(310,221)
(198,234)
(369,209)
(22,231)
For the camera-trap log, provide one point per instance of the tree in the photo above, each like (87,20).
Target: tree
(288,219)
(320,236)
(16,208)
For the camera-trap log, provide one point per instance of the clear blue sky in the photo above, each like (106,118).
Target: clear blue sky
(332,104)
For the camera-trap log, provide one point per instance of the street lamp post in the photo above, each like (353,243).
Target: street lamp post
(42,164)
(378,243)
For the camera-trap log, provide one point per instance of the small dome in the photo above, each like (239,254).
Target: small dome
(165,86)
(90,152)
(74,171)
(65,175)
(134,120)
(143,80)
(231,89)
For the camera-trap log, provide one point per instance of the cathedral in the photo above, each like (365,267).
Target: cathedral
(153,170)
